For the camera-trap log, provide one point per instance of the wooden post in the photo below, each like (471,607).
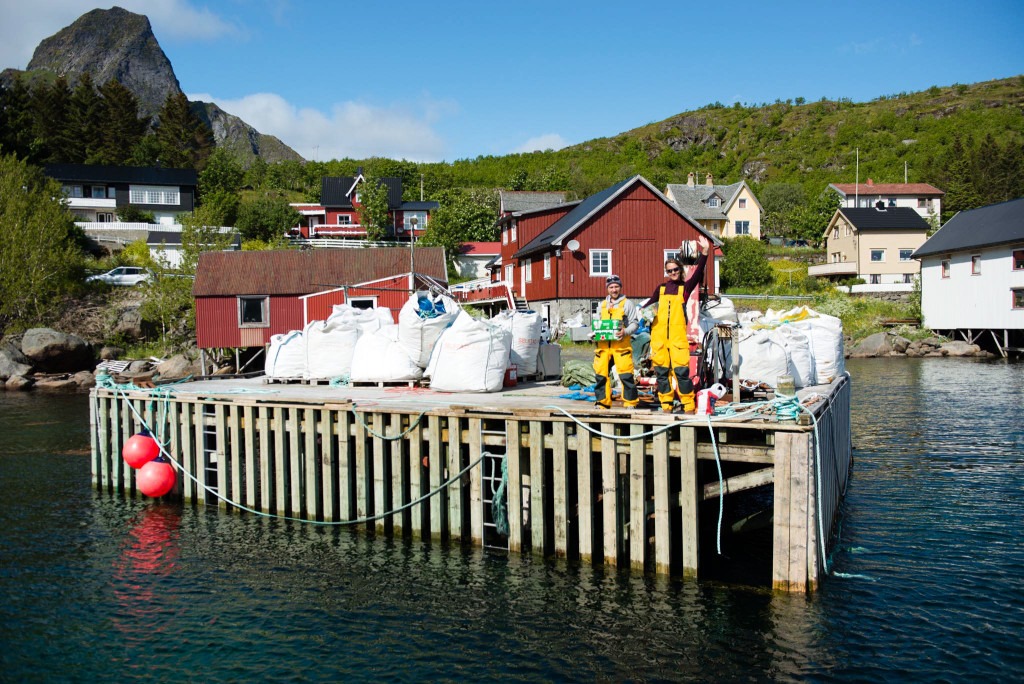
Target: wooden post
(662,514)
(790,561)
(345,465)
(435,471)
(264,414)
(689,499)
(380,498)
(362,469)
(295,460)
(251,473)
(514,490)
(476,503)
(234,430)
(585,488)
(609,476)
(417,478)
(397,482)
(310,453)
(538,514)
(221,451)
(328,466)
(637,500)
(559,479)
(455,491)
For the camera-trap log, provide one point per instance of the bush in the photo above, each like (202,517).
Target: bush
(132,214)
(745,263)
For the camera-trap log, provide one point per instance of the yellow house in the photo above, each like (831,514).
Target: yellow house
(723,210)
(876,244)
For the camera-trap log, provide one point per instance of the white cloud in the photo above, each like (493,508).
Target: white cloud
(548,141)
(26,24)
(349,129)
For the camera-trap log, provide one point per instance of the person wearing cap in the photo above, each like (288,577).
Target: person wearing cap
(670,346)
(619,351)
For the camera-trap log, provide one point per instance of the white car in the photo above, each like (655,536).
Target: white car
(122,275)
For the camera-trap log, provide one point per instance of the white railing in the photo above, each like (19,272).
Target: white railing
(343,242)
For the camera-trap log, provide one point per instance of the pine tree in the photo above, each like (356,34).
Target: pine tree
(123,128)
(185,141)
(15,120)
(85,122)
(50,105)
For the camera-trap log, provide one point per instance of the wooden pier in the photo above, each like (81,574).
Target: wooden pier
(622,488)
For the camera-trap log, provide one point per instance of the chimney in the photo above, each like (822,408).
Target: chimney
(708,181)
(689,179)
(870,182)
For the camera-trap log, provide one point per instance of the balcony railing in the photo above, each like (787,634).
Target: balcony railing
(833,269)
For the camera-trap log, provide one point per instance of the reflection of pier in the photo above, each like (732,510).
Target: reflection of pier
(392,457)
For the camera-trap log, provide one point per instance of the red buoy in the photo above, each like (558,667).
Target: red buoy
(140,449)
(156,478)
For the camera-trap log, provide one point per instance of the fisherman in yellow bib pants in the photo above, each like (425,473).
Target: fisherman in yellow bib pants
(617,352)
(670,347)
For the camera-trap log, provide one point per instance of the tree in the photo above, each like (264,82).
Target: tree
(809,220)
(50,105)
(464,216)
(16,119)
(185,141)
(223,172)
(745,264)
(780,202)
(40,247)
(85,123)
(373,208)
(122,128)
(266,218)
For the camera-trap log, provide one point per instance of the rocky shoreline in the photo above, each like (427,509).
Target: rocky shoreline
(886,344)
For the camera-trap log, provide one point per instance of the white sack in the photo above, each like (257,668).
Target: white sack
(470,356)
(419,328)
(800,355)
(763,357)
(330,345)
(286,357)
(826,336)
(378,357)
(525,327)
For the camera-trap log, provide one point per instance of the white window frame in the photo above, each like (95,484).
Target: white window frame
(264,302)
(875,279)
(421,220)
(344,219)
(527,273)
(880,252)
(547,267)
(504,235)
(944,268)
(510,273)
(742,227)
(154,194)
(975,264)
(355,302)
(1016,292)
(1017,257)
(596,272)
(908,257)
(669,254)
(743,203)
(513,232)
(713,202)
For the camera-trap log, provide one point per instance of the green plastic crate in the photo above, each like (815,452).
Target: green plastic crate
(605,329)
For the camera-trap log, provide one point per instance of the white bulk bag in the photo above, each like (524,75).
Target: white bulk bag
(330,345)
(763,357)
(800,355)
(470,356)
(525,327)
(286,357)
(378,357)
(826,336)
(419,328)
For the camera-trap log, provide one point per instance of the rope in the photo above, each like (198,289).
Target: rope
(444,485)
(412,426)
(499,507)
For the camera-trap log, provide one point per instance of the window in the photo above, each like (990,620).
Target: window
(878,255)
(111,193)
(419,216)
(876,279)
(600,262)
(99,192)
(712,201)
(513,233)
(504,236)
(743,203)
(976,264)
(363,302)
(920,203)
(73,190)
(743,227)
(1018,259)
(147,194)
(908,278)
(547,266)
(670,254)
(253,313)
(865,202)
(104,217)
(906,254)
(835,233)
(595,308)
(344,219)
(509,273)
(527,271)
(892,202)
(1018,298)
(357,198)
(945,268)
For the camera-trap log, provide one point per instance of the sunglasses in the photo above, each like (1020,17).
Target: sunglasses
(671,270)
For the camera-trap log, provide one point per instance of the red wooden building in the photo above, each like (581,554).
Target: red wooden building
(557,258)
(242,298)
(337,214)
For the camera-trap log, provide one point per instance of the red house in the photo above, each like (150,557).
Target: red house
(242,298)
(557,258)
(337,214)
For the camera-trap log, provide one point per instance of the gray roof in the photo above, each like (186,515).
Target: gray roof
(101,173)
(996,224)
(693,199)
(518,200)
(893,218)
(334,191)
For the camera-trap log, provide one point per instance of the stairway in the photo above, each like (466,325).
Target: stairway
(521,304)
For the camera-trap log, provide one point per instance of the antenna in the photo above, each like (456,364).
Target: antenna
(573,245)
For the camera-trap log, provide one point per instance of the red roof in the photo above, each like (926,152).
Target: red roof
(481,248)
(871,188)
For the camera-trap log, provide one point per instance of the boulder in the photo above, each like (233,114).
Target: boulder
(900,344)
(84,378)
(873,345)
(58,384)
(18,382)
(129,322)
(139,366)
(12,361)
(56,352)
(109,353)
(177,367)
(932,342)
(959,348)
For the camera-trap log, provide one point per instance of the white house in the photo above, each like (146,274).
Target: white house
(972,277)
(925,199)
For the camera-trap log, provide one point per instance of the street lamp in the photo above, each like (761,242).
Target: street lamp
(412,258)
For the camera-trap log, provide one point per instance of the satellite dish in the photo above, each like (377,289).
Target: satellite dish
(573,245)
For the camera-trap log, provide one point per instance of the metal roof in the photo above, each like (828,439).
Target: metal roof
(871,188)
(893,218)
(996,224)
(299,272)
(99,173)
(334,191)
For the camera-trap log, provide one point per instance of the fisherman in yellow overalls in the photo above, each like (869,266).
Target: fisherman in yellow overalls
(617,352)
(670,346)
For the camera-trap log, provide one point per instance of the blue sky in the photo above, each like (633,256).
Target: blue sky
(431,81)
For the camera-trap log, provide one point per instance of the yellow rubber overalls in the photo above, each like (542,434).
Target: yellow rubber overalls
(618,353)
(670,349)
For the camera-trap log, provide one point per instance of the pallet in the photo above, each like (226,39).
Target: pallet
(389,383)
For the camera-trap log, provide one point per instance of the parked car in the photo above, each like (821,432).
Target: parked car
(122,275)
